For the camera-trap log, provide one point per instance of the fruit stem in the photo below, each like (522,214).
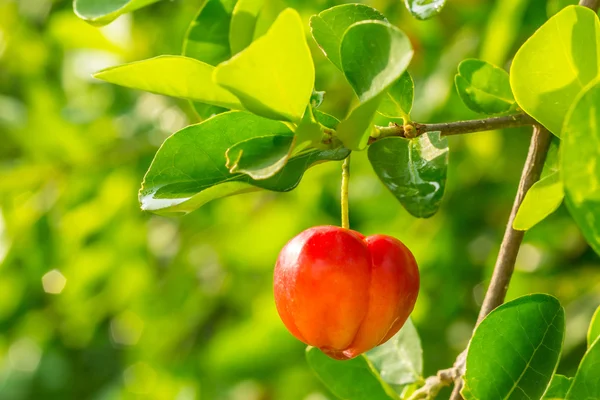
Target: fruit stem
(345,182)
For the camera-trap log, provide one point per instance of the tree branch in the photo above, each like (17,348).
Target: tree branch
(509,249)
(593,4)
(453,128)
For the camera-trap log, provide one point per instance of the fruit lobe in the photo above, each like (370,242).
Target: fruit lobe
(342,292)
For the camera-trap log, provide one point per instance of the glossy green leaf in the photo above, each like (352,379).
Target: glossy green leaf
(207,40)
(555,64)
(559,386)
(594,329)
(413,170)
(424,9)
(400,359)
(515,349)
(175,76)
(260,157)
(243,24)
(398,101)
(542,199)
(189,169)
(102,12)
(329,26)
(579,164)
(354,379)
(274,76)
(483,87)
(586,383)
(374,55)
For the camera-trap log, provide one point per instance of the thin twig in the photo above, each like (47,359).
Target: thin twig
(593,4)
(454,128)
(511,242)
(344,195)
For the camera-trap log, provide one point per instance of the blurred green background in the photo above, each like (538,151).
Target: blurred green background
(99,300)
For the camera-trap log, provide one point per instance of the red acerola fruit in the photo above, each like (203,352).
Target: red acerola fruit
(342,292)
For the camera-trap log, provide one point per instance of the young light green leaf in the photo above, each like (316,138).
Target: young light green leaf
(374,55)
(207,40)
(189,169)
(243,24)
(260,157)
(354,379)
(579,163)
(555,64)
(559,386)
(586,383)
(175,76)
(103,12)
(484,88)
(274,76)
(399,360)
(413,170)
(424,9)
(541,200)
(515,349)
(398,100)
(594,329)
(329,26)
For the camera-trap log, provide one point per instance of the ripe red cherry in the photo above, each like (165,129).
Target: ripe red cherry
(342,292)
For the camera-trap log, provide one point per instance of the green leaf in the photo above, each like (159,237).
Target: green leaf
(515,349)
(580,166)
(207,40)
(354,379)
(243,24)
(559,386)
(189,169)
(594,329)
(102,12)
(316,99)
(424,9)
(398,101)
(555,64)
(274,76)
(586,383)
(374,55)
(413,170)
(329,26)
(175,76)
(484,88)
(400,359)
(260,157)
(542,199)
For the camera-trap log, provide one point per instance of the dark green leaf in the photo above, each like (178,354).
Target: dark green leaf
(207,40)
(354,379)
(413,170)
(400,359)
(189,169)
(586,383)
(515,349)
(175,76)
(397,103)
(559,386)
(555,64)
(580,165)
(274,77)
(260,157)
(423,9)
(329,26)
(594,329)
(243,24)
(484,88)
(102,12)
